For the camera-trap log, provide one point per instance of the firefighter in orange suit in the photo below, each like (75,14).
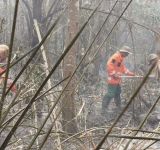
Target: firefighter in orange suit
(4,50)
(115,68)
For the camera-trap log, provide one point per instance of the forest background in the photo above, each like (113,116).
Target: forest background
(58,55)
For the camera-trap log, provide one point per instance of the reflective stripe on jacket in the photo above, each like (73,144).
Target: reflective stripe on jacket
(115,67)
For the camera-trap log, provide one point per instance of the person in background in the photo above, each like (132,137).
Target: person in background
(4,51)
(115,68)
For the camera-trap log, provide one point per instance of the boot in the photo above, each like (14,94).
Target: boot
(117,101)
(105,104)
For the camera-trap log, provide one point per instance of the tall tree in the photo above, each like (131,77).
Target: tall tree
(69,65)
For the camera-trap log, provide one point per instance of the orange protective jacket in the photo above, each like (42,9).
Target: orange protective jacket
(14,89)
(115,67)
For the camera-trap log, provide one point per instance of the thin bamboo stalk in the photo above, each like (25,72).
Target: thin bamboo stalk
(36,123)
(127,137)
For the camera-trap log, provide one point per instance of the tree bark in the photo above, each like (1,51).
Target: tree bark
(69,65)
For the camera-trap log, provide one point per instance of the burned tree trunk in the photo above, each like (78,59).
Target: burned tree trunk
(69,65)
